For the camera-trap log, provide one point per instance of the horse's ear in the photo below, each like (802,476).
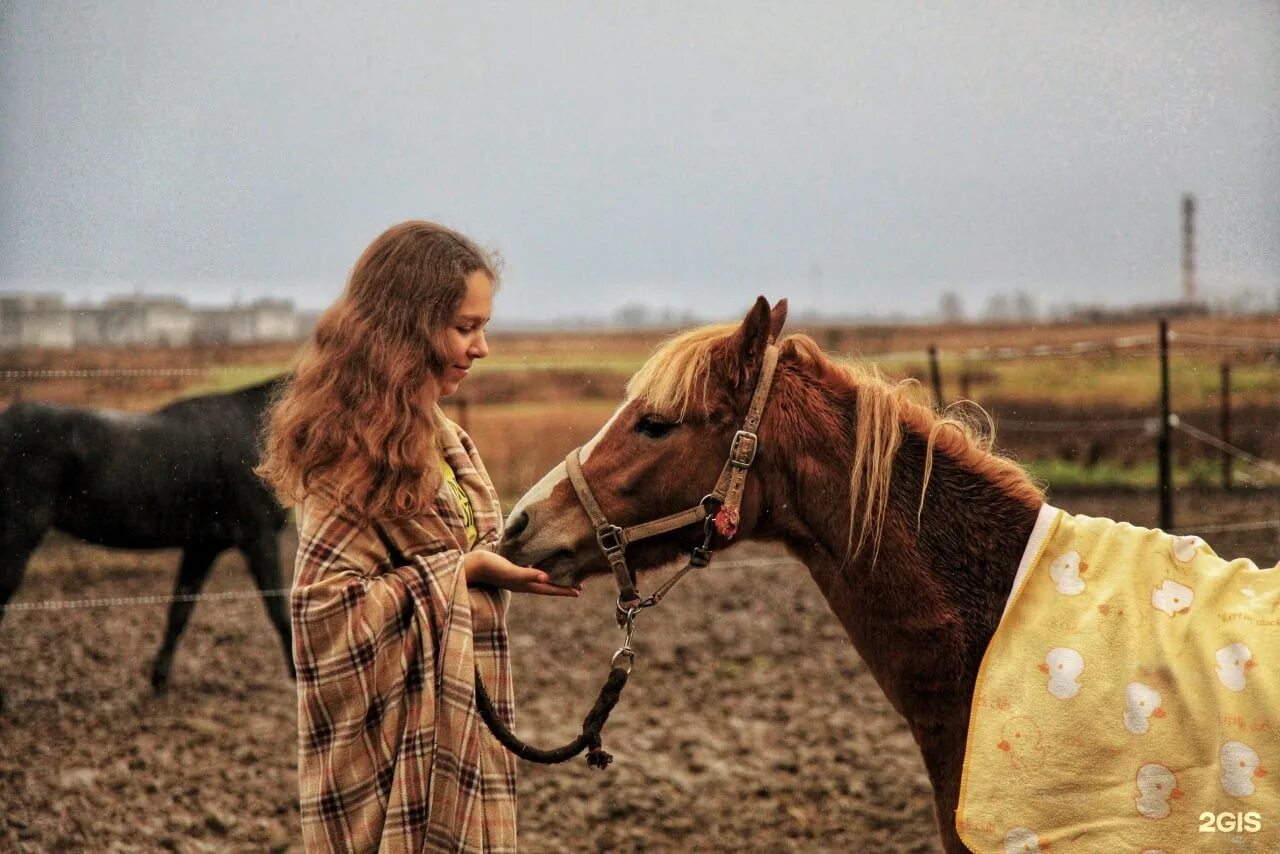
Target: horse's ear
(747,343)
(777,317)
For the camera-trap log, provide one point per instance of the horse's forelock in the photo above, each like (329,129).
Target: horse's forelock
(677,374)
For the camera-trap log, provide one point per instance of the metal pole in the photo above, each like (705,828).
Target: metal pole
(1189,248)
(935,375)
(1225,422)
(1162,440)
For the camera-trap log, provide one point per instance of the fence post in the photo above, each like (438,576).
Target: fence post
(935,376)
(1162,438)
(1225,424)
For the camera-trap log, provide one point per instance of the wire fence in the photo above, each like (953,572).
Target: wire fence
(136,601)
(1072,349)
(1264,345)
(1230,527)
(1118,345)
(1087,348)
(1214,442)
(108,373)
(1145,425)
(234,595)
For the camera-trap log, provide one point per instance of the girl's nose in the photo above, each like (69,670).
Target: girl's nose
(479,347)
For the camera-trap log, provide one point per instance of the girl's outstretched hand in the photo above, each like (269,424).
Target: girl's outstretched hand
(486,567)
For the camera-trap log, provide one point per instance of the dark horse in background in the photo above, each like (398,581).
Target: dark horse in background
(179,477)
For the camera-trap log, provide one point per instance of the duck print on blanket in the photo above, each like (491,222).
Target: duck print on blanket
(1065,572)
(1022,840)
(1241,766)
(1171,597)
(1140,705)
(1064,667)
(1130,676)
(1157,786)
(1233,661)
(1020,738)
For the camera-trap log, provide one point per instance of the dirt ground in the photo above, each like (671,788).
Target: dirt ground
(749,724)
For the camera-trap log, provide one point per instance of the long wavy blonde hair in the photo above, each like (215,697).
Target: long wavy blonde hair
(357,418)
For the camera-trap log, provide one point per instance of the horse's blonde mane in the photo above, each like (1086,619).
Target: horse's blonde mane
(678,372)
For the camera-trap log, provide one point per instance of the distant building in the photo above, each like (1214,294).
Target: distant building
(259,321)
(35,320)
(88,326)
(166,321)
(44,320)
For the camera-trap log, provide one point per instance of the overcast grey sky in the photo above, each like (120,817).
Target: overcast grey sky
(857,157)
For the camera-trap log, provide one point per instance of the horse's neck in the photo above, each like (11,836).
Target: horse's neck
(259,395)
(922,609)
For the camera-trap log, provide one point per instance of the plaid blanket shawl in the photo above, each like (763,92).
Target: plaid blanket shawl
(1129,700)
(392,755)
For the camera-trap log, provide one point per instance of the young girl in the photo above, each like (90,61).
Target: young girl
(398,597)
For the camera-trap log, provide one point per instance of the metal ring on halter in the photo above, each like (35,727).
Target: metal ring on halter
(630,656)
(628,615)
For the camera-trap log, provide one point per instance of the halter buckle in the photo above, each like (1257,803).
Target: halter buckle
(744,445)
(611,539)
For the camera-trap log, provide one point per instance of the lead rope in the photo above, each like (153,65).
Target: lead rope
(619,669)
(725,498)
(592,724)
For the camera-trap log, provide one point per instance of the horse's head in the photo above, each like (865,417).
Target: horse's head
(662,452)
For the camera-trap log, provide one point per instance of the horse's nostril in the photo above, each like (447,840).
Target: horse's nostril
(516,525)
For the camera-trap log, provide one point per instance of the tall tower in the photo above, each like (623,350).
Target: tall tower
(1188,248)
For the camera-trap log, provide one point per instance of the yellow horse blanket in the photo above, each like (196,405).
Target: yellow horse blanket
(1129,700)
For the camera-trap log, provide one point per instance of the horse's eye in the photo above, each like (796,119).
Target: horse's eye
(652,427)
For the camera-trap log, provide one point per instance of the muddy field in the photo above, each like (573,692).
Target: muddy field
(750,723)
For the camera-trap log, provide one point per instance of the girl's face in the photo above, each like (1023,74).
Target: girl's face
(463,341)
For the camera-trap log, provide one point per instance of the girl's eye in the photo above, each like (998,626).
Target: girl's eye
(466,330)
(654,428)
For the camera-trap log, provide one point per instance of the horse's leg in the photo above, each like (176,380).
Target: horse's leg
(196,560)
(942,744)
(12,567)
(263,553)
(20,533)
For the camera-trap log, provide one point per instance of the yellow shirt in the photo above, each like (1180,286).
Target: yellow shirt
(468,515)
(1129,700)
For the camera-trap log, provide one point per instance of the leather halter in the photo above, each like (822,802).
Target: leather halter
(718,510)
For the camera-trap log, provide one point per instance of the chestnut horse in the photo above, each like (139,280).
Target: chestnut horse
(840,478)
